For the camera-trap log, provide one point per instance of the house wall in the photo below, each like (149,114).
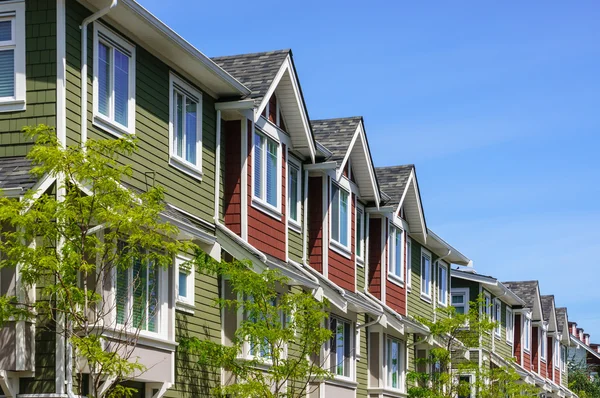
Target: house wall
(518,343)
(535,349)
(341,269)
(416,305)
(315,222)
(232,193)
(395,295)
(375,252)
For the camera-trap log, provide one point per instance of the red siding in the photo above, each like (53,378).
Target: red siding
(517,339)
(375,257)
(395,296)
(340,268)
(526,360)
(557,376)
(534,349)
(315,223)
(550,358)
(232,175)
(273,109)
(265,232)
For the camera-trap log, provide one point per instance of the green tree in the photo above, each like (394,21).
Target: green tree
(439,374)
(580,382)
(71,244)
(276,351)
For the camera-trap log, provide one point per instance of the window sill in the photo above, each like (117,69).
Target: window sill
(498,335)
(387,391)
(294,226)
(143,338)
(510,343)
(182,306)
(266,208)
(360,262)
(396,280)
(185,167)
(111,127)
(342,381)
(340,249)
(426,298)
(444,305)
(12,106)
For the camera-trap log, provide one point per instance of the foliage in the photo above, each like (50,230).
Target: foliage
(581,383)
(438,375)
(276,347)
(70,242)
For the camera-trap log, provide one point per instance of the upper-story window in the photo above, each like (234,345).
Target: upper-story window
(185,281)
(341,347)
(425,275)
(396,266)
(185,127)
(510,328)
(408,262)
(340,215)
(442,284)
(556,352)
(498,317)
(12,57)
(114,82)
(563,358)
(395,364)
(360,233)
(266,171)
(543,345)
(527,333)
(487,306)
(294,190)
(460,300)
(256,347)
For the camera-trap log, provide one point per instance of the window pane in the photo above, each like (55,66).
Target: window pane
(458,299)
(398,258)
(339,348)
(103,78)
(460,310)
(140,286)
(343,218)
(121,87)
(272,173)
(359,232)
(190,130)
(122,293)
(347,348)
(258,165)
(293,193)
(6,31)
(7,73)
(179,123)
(153,304)
(183,284)
(335,213)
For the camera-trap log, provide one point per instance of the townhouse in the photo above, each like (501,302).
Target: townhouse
(581,352)
(247,175)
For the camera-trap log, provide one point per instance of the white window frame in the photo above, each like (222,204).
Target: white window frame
(510,326)
(108,123)
(261,201)
(179,85)
(543,344)
(401,374)
(526,335)
(294,224)
(392,260)
(15,12)
(426,294)
(563,360)
(556,352)
(461,291)
(442,295)
(360,233)
(334,243)
(352,357)
(487,305)
(498,317)
(186,303)
(408,256)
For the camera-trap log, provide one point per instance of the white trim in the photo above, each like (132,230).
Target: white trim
(61,73)
(15,11)
(461,291)
(510,336)
(188,91)
(424,295)
(107,123)
(442,265)
(408,256)
(526,320)
(487,307)
(187,302)
(392,246)
(244,177)
(352,357)
(498,311)
(402,366)
(260,202)
(336,244)
(543,344)
(360,260)
(295,225)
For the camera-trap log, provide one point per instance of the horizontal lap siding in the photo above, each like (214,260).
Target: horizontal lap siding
(534,349)
(315,222)
(232,176)
(517,339)
(502,348)
(416,305)
(527,360)
(362,371)
(295,239)
(341,269)
(375,257)
(395,297)
(40,84)
(264,232)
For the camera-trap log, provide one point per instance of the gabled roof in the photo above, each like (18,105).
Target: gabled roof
(401,185)
(549,312)
(562,319)
(15,172)
(492,284)
(529,291)
(346,139)
(445,250)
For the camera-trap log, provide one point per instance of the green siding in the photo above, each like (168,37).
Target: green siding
(40,70)
(295,243)
(416,306)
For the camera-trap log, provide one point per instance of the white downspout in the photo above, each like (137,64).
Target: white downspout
(84,65)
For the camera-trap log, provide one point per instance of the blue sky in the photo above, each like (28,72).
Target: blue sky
(497,103)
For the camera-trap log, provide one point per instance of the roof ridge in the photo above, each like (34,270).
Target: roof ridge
(280,51)
(335,118)
(395,166)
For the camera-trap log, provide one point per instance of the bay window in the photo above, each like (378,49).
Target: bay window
(114,82)
(294,193)
(340,347)
(395,363)
(425,275)
(12,56)
(395,267)
(442,284)
(340,216)
(266,170)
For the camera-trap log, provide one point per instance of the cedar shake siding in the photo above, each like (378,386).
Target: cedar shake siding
(266,233)
(232,176)
(341,270)
(375,257)
(315,222)
(517,339)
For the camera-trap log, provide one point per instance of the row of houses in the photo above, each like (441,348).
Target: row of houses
(249,175)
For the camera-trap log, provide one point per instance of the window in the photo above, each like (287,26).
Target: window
(510,326)
(464,382)
(395,363)
(266,170)
(137,296)
(340,345)
(294,193)
(360,233)
(396,266)
(185,127)
(339,216)
(442,284)
(258,348)
(425,275)
(556,352)
(408,261)
(543,344)
(12,57)
(527,333)
(460,300)
(498,317)
(563,358)
(185,281)
(114,82)
(487,306)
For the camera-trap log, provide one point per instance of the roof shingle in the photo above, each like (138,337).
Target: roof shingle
(16,172)
(547,305)
(561,316)
(392,180)
(526,290)
(336,134)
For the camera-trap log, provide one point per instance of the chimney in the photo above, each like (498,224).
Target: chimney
(580,334)
(573,326)
(586,338)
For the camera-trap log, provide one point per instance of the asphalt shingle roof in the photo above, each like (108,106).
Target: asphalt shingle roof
(526,290)
(547,304)
(393,180)
(16,172)
(561,315)
(336,134)
(255,71)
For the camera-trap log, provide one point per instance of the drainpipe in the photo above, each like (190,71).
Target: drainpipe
(376,321)
(84,65)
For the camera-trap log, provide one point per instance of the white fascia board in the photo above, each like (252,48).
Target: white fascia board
(235,105)
(584,346)
(331,165)
(456,257)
